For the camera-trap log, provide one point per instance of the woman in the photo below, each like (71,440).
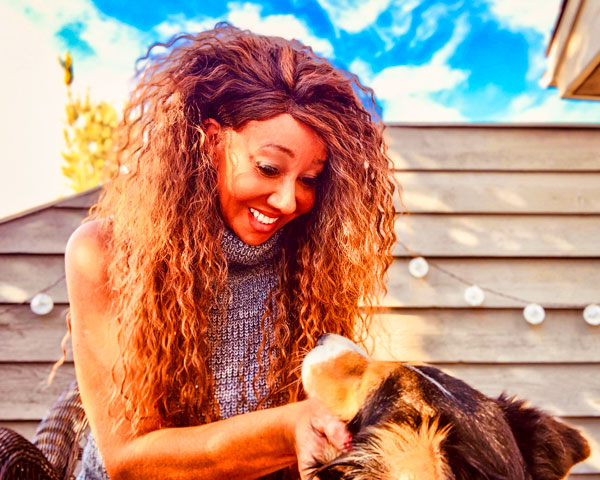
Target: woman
(256,214)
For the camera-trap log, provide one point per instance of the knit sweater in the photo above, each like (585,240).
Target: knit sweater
(234,335)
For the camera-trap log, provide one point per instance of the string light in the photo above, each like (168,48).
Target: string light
(418,267)
(474,295)
(41,304)
(591,314)
(534,313)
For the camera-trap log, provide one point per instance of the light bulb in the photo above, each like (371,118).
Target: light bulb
(534,313)
(418,267)
(591,314)
(474,296)
(41,304)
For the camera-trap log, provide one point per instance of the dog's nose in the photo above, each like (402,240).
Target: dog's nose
(322,339)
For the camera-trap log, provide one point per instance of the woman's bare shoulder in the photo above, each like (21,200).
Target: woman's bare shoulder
(86,261)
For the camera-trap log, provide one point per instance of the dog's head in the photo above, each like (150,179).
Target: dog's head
(414,422)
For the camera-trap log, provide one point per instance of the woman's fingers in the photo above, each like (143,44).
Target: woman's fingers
(332,429)
(319,436)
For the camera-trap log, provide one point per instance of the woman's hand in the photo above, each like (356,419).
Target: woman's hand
(319,435)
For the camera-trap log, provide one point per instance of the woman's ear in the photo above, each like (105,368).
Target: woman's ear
(212,128)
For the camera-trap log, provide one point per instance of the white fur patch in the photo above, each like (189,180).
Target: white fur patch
(333,346)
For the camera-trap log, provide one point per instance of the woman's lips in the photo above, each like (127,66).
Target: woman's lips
(261,222)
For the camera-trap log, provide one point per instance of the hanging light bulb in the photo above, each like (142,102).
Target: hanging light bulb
(474,296)
(591,314)
(534,313)
(41,304)
(418,267)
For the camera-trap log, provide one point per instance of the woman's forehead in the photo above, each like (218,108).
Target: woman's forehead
(286,136)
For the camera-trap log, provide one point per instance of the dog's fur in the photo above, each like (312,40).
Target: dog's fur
(414,422)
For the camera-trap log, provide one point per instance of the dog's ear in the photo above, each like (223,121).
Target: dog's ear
(550,448)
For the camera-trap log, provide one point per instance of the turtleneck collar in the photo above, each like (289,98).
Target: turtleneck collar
(239,253)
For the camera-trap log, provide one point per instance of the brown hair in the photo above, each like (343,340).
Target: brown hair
(166,265)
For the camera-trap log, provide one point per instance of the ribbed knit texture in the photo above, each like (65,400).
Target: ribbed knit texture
(234,336)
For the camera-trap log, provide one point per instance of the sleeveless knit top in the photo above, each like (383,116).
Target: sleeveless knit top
(234,336)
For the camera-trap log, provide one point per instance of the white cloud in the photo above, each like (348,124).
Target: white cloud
(405,91)
(248,16)
(353,15)
(527,109)
(401,13)
(428,26)
(539,15)
(461,29)
(419,109)
(116,45)
(426,78)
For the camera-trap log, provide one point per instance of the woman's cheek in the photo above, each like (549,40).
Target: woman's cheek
(305,202)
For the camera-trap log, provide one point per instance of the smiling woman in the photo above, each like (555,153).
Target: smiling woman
(256,215)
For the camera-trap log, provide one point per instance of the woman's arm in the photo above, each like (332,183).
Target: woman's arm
(244,446)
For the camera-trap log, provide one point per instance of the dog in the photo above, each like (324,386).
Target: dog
(414,422)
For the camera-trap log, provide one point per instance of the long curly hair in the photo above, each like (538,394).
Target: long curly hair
(164,229)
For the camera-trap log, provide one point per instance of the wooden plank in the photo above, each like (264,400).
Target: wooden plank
(27,337)
(557,45)
(24,392)
(591,85)
(483,336)
(22,276)
(581,53)
(45,231)
(499,192)
(566,283)
(457,335)
(499,235)
(565,390)
(82,200)
(560,282)
(493,148)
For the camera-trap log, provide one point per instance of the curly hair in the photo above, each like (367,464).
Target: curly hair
(162,219)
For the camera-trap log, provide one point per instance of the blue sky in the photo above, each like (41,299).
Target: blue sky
(433,61)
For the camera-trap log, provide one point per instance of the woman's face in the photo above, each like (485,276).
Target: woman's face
(266,175)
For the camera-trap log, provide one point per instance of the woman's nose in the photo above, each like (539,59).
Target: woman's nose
(284,197)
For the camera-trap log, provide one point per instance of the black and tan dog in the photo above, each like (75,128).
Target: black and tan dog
(414,422)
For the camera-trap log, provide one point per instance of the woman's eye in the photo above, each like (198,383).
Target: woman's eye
(267,170)
(310,181)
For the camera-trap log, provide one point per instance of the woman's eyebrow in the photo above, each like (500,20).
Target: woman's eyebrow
(281,148)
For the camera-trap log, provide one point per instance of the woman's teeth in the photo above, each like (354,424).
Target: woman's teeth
(262,218)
